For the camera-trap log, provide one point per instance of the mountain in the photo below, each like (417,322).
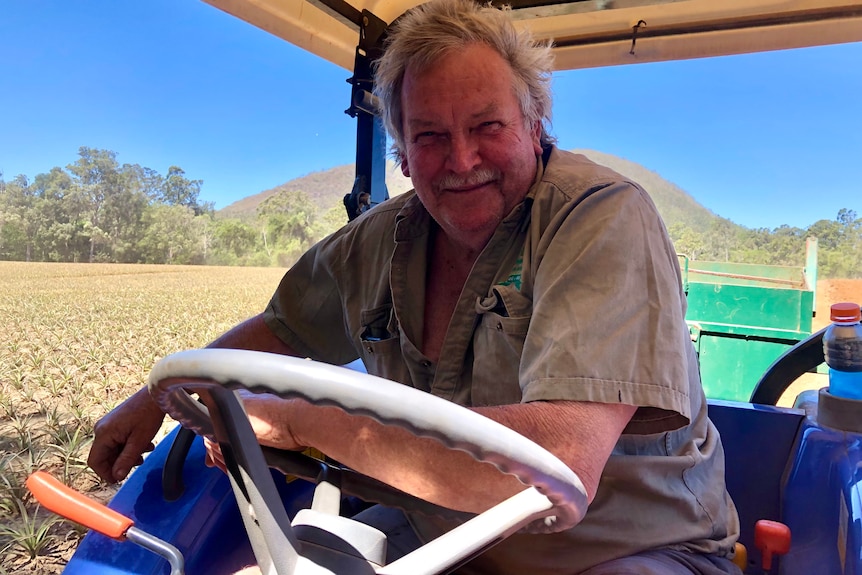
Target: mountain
(674,204)
(327,188)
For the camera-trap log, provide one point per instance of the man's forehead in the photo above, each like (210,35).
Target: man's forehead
(418,117)
(421,63)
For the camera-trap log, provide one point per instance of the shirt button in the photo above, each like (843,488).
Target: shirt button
(499,326)
(426,363)
(369,349)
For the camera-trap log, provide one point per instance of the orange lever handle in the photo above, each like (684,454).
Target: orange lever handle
(772,538)
(67,502)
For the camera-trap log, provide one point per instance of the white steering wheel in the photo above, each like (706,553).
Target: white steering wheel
(553,500)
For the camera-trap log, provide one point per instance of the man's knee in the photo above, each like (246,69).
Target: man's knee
(666,562)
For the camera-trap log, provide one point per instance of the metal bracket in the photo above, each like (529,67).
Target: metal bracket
(369,186)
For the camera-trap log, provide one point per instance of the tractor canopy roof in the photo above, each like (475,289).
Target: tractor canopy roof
(586,33)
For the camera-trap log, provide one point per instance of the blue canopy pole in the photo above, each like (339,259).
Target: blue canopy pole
(369,186)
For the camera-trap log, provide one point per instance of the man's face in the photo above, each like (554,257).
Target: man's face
(467,147)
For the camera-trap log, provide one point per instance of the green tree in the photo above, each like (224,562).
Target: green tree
(21,220)
(840,243)
(287,223)
(719,240)
(97,181)
(149,181)
(61,231)
(686,241)
(124,213)
(828,234)
(333,219)
(177,190)
(233,241)
(11,231)
(171,236)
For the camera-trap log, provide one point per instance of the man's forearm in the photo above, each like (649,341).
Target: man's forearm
(582,435)
(419,466)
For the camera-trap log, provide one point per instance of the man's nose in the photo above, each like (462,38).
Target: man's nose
(463,154)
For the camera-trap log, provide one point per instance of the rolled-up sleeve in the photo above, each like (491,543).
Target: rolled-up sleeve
(608,315)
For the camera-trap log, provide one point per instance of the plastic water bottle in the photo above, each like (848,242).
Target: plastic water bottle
(842,347)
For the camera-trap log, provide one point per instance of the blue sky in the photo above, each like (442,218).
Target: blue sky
(763,139)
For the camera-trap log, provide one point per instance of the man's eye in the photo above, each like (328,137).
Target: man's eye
(490,127)
(425,137)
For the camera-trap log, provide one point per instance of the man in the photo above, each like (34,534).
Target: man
(529,284)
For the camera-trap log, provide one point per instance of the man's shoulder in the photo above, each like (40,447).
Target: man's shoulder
(367,240)
(392,205)
(575,174)
(385,213)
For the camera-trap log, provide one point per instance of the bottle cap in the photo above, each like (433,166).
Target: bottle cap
(845,312)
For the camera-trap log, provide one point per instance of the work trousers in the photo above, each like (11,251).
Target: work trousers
(401,540)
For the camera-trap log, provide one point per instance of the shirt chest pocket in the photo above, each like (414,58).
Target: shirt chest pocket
(380,344)
(504,318)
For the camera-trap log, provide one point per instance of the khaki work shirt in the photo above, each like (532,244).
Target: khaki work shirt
(576,297)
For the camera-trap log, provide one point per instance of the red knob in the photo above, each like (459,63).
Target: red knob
(772,538)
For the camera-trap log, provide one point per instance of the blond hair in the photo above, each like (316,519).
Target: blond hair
(433,29)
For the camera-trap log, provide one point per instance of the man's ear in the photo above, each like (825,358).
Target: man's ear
(405,167)
(537,137)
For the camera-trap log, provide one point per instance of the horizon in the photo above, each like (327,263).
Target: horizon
(752,138)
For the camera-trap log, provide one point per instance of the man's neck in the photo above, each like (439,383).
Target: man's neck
(449,266)
(457,253)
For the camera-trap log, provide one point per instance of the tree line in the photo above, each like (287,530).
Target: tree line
(96,210)
(839,244)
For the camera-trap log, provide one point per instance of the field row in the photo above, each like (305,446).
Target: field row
(77,340)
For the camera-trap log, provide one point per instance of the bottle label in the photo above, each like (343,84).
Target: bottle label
(845,384)
(842,347)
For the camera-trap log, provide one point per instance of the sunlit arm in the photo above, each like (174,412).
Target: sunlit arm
(582,435)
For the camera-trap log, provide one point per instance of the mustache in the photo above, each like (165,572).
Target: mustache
(475,178)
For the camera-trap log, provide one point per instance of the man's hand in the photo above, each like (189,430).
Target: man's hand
(123,436)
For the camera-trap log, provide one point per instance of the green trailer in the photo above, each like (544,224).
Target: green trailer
(742,317)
